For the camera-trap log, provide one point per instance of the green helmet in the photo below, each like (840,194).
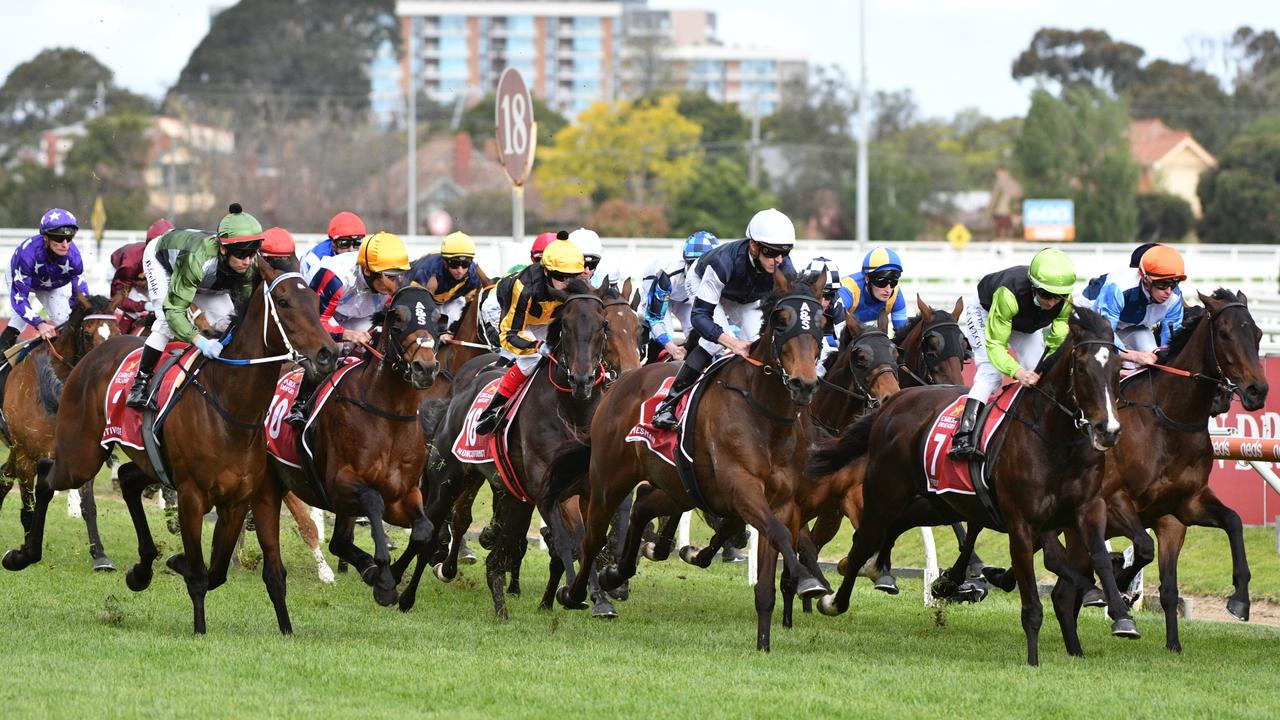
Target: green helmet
(1051,270)
(238,226)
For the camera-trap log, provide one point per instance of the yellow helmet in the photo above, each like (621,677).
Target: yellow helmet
(458,244)
(564,257)
(383,253)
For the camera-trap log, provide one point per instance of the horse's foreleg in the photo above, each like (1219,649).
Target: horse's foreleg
(1123,518)
(33,543)
(226,536)
(1022,554)
(755,511)
(1206,509)
(384,586)
(1170,534)
(419,534)
(1092,524)
(266,522)
(513,524)
(192,506)
(766,595)
(89,511)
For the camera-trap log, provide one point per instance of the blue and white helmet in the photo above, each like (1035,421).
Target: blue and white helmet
(830,273)
(699,244)
(58,222)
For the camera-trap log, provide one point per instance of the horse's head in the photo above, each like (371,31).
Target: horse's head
(622,330)
(408,335)
(934,346)
(292,308)
(873,358)
(577,337)
(1092,365)
(1233,347)
(792,332)
(92,321)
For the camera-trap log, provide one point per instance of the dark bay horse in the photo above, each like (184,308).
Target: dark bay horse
(1048,475)
(750,451)
(592,335)
(31,394)
(368,449)
(213,440)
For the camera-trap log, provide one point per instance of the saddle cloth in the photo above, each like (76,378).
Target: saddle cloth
(945,475)
(475,449)
(124,424)
(661,441)
(283,439)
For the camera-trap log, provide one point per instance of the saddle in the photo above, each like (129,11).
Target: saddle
(944,475)
(284,441)
(474,449)
(141,430)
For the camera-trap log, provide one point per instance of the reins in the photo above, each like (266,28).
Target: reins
(269,314)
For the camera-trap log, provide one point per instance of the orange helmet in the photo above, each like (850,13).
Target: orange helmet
(277,242)
(1161,262)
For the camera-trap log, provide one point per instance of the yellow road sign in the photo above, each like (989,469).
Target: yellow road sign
(959,236)
(99,219)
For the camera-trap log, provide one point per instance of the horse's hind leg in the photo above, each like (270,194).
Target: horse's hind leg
(1022,554)
(132,482)
(1068,592)
(89,511)
(342,544)
(419,533)
(1206,509)
(1092,524)
(226,536)
(33,543)
(660,548)
(310,535)
(384,586)
(266,522)
(513,524)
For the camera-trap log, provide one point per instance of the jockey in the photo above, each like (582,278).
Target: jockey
(491,310)
(527,306)
(1023,308)
(450,276)
(129,285)
(592,250)
(728,284)
(833,310)
(277,243)
(665,294)
(346,231)
(881,270)
(541,242)
(1136,301)
(352,288)
(186,267)
(46,265)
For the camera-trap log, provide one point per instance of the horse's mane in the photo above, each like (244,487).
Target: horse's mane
(900,336)
(800,285)
(98,305)
(48,386)
(1190,320)
(1089,321)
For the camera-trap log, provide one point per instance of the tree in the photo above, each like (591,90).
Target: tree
(1241,195)
(479,122)
(645,155)
(1163,217)
(110,162)
(1079,57)
(718,199)
(306,56)
(1184,97)
(619,218)
(1078,147)
(725,130)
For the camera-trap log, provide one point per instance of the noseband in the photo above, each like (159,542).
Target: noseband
(863,386)
(929,360)
(601,373)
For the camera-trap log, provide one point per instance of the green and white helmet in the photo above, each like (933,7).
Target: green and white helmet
(1052,271)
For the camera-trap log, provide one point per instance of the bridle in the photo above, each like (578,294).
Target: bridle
(612,374)
(860,385)
(557,349)
(394,352)
(268,316)
(1077,416)
(923,373)
(82,338)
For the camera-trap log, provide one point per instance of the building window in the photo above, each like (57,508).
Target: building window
(586,44)
(453,24)
(453,46)
(453,67)
(586,23)
(587,66)
(520,25)
(520,46)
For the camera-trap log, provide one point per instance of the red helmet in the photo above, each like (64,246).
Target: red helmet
(540,243)
(158,228)
(346,224)
(277,242)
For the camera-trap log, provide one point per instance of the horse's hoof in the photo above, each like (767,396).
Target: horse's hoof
(943,588)
(466,557)
(384,596)
(972,591)
(138,578)
(842,567)
(647,550)
(1239,609)
(611,579)
(604,609)
(567,601)
(1001,578)
(15,560)
(438,570)
(407,601)
(178,564)
(887,584)
(326,574)
(811,587)
(343,566)
(827,605)
(688,553)
(1125,628)
(102,563)
(1093,597)
(488,536)
(621,593)
(370,575)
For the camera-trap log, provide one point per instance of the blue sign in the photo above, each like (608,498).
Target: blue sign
(1049,219)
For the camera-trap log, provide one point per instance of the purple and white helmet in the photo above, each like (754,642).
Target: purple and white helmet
(57,219)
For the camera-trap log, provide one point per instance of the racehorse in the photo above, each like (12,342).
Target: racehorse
(466,344)
(213,440)
(591,337)
(1049,476)
(31,395)
(749,451)
(367,449)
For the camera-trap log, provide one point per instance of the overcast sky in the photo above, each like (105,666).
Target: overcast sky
(951,54)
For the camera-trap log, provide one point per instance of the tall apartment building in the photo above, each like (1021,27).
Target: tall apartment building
(751,78)
(566,49)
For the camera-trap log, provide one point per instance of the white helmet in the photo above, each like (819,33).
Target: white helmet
(771,227)
(830,273)
(587,241)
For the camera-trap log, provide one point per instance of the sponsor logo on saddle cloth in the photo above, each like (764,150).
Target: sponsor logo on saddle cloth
(661,441)
(124,424)
(475,449)
(282,438)
(943,474)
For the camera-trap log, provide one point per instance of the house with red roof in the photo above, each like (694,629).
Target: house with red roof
(1171,161)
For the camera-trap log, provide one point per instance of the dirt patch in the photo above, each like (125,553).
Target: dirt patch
(1215,609)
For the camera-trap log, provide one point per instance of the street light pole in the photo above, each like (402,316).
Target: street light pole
(862,134)
(411,119)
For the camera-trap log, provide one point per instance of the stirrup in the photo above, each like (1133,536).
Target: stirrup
(965,450)
(488,421)
(665,416)
(140,394)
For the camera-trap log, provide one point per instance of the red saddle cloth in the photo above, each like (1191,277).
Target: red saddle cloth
(124,424)
(475,449)
(282,437)
(945,475)
(661,441)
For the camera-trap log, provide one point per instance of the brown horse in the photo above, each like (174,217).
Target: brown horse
(592,338)
(367,449)
(213,441)
(1049,477)
(749,449)
(466,344)
(31,393)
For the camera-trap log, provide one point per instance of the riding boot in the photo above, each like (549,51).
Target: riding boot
(297,416)
(963,446)
(140,393)
(488,420)
(665,416)
(8,337)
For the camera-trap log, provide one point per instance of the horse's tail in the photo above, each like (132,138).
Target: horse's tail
(430,413)
(49,387)
(843,449)
(566,474)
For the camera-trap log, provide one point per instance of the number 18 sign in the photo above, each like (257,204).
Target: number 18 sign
(517,132)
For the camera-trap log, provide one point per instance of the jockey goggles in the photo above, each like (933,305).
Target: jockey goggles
(884,280)
(772,251)
(562,277)
(457,262)
(1046,295)
(591,263)
(1168,284)
(244,250)
(348,242)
